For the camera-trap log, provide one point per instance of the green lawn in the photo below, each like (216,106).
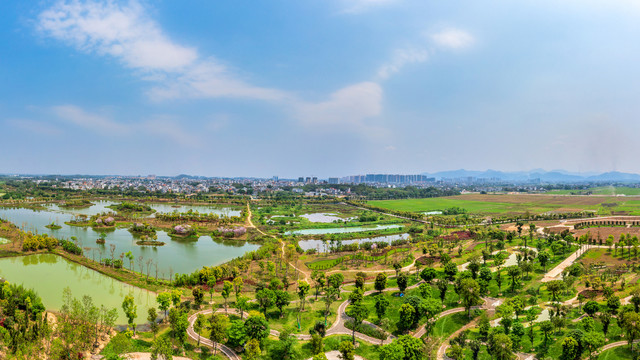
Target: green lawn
(601,190)
(447,325)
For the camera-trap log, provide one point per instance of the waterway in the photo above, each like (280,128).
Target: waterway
(320,246)
(176,256)
(341,230)
(50,274)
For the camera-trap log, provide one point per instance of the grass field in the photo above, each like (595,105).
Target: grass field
(517,204)
(602,190)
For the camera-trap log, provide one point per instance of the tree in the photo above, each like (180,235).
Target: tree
(175,297)
(164,301)
(152,315)
(631,326)
(303,290)
(238,284)
(403,281)
(226,291)
(282,299)
(442,288)
(285,348)
(266,298)
(162,347)
(613,303)
(413,347)
(360,277)
(555,287)
(330,296)
(592,341)
(211,283)
(605,319)
(252,350)
(236,333)
(569,349)
(320,280)
(393,351)
(241,305)
(179,323)
(407,313)
(198,296)
(475,345)
(474,266)
(218,325)
(470,294)
(591,308)
(450,271)
(501,347)
(335,280)
(517,332)
(199,325)
(346,350)
(320,356)
(428,275)
(359,313)
(514,273)
(256,327)
(546,327)
(382,303)
(543,258)
(316,344)
(381,282)
(130,311)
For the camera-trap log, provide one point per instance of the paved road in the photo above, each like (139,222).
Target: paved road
(554,273)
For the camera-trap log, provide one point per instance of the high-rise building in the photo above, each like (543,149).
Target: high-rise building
(334,181)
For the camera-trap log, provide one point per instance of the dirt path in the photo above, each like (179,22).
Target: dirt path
(195,336)
(554,273)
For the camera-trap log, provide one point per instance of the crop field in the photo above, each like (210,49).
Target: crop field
(518,204)
(602,190)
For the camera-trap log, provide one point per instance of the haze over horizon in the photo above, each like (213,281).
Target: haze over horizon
(322,87)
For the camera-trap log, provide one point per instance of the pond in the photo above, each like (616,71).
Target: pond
(323,217)
(49,274)
(341,230)
(101,206)
(319,245)
(176,256)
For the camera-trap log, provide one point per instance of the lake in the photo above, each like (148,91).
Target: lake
(341,230)
(49,274)
(319,244)
(177,256)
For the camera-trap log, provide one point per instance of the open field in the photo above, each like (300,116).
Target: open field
(518,204)
(602,190)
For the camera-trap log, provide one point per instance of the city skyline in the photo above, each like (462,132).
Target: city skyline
(319,87)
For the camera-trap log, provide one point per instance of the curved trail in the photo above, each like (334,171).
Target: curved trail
(227,351)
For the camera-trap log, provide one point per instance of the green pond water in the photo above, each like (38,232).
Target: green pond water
(341,230)
(176,256)
(49,274)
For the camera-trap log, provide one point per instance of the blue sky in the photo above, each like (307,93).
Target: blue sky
(318,87)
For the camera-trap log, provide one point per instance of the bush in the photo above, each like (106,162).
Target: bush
(367,330)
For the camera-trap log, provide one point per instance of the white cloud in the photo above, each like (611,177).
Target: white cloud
(160,126)
(125,32)
(453,38)
(346,109)
(95,122)
(402,57)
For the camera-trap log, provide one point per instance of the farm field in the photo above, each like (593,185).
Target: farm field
(602,190)
(517,204)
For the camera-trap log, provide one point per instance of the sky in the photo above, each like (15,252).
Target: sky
(318,87)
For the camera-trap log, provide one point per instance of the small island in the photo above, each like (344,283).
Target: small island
(183,231)
(76,204)
(142,229)
(132,208)
(53,226)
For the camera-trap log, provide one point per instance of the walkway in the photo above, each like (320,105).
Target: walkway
(554,273)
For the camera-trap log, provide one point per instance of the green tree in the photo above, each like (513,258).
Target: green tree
(443,286)
(381,282)
(252,350)
(175,297)
(470,294)
(358,312)
(266,299)
(218,325)
(413,347)
(382,303)
(227,287)
(256,327)
(282,299)
(303,290)
(569,349)
(450,271)
(330,296)
(543,258)
(428,275)
(407,313)
(162,348)
(211,283)
(501,347)
(236,333)
(591,308)
(393,351)
(546,327)
(514,273)
(164,301)
(152,315)
(592,341)
(320,280)
(346,350)
(403,282)
(238,284)
(130,311)
(198,296)
(555,287)
(199,325)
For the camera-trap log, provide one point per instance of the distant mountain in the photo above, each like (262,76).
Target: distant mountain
(557,176)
